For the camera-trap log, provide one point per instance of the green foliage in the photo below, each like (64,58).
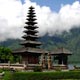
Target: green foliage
(42,75)
(8,76)
(1,70)
(58,69)
(37,69)
(6,55)
(5,69)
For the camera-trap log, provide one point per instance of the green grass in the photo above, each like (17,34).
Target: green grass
(8,76)
(69,75)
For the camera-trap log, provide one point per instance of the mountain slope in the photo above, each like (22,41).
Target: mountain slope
(69,40)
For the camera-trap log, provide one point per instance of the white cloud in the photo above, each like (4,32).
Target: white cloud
(10,19)
(13,14)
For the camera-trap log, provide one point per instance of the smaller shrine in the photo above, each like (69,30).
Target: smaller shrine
(61,55)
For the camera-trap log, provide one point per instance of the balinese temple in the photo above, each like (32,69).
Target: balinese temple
(30,52)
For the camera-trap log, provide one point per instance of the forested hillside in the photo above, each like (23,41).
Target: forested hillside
(69,40)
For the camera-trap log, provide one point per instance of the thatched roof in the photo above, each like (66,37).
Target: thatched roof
(30,31)
(33,36)
(61,51)
(31,42)
(29,50)
(30,27)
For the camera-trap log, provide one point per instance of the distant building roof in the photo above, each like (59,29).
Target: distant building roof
(61,51)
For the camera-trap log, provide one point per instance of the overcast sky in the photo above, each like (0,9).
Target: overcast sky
(53,16)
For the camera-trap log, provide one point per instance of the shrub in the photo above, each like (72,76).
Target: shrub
(37,69)
(1,70)
(8,76)
(6,69)
(44,75)
(58,69)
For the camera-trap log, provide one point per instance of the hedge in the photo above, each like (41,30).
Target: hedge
(8,76)
(42,75)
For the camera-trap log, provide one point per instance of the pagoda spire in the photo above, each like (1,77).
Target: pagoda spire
(31,51)
(30,31)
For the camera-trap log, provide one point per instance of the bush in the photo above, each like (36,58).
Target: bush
(8,76)
(6,69)
(1,70)
(58,69)
(43,75)
(37,69)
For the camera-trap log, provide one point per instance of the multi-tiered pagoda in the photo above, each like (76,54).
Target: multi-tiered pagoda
(30,52)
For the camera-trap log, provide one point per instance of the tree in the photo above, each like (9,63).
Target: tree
(5,55)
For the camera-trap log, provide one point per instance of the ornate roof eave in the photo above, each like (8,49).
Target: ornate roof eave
(33,19)
(31,42)
(31,36)
(30,27)
(31,23)
(57,53)
(31,15)
(33,31)
(31,12)
(29,50)
(60,51)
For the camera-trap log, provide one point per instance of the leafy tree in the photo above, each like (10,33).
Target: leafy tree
(5,55)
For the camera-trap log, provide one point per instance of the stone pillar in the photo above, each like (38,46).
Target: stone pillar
(49,61)
(9,64)
(41,58)
(43,61)
(24,64)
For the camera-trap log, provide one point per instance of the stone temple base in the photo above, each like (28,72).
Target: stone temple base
(60,67)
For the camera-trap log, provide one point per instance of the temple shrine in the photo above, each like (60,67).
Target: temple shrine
(61,55)
(31,53)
